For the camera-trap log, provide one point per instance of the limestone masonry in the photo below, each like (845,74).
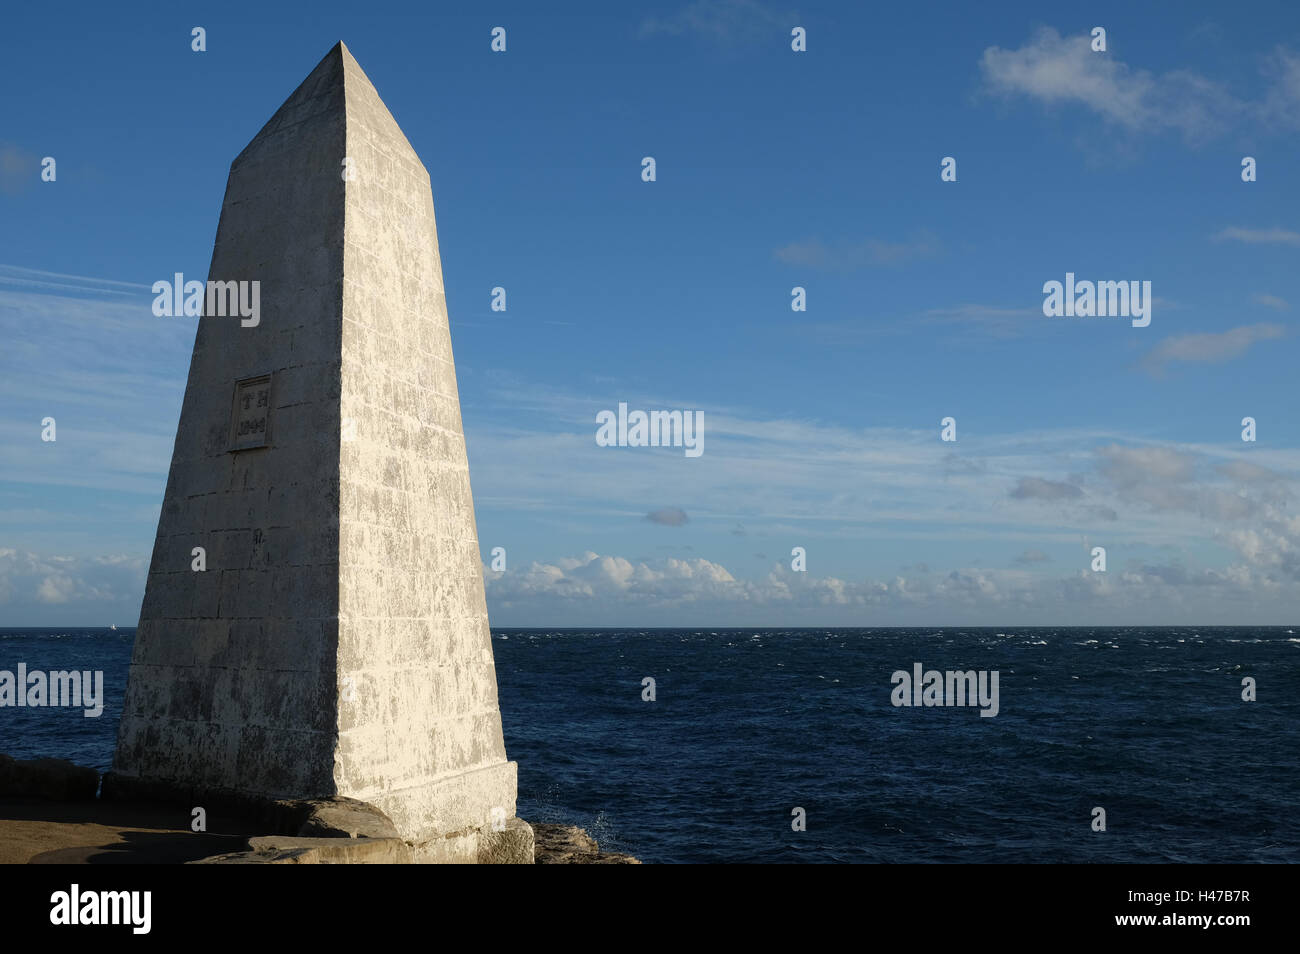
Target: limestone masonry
(336,642)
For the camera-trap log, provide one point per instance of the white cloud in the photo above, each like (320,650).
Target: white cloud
(1056,70)
(56,589)
(701,592)
(725,21)
(1209,347)
(1033,556)
(1281,106)
(29,580)
(1271,301)
(668,517)
(1038,488)
(1273,236)
(91,354)
(1247,472)
(1130,466)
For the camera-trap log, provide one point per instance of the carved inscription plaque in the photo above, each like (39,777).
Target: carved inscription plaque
(250,417)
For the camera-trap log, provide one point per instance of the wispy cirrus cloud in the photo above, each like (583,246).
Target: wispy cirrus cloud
(1030,557)
(1168,493)
(731,22)
(1209,347)
(17,277)
(91,354)
(1281,106)
(1130,466)
(965,321)
(1246,472)
(1038,488)
(1273,236)
(869,253)
(1057,70)
(815,480)
(1063,71)
(992,320)
(1271,301)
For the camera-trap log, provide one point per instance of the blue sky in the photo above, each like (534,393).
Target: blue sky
(774,169)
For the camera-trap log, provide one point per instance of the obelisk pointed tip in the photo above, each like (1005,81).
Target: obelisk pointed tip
(339,60)
(351,68)
(336,87)
(321,92)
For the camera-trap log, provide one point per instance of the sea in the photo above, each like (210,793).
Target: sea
(784,745)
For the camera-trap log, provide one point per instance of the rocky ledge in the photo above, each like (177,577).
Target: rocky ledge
(52,779)
(310,831)
(569,845)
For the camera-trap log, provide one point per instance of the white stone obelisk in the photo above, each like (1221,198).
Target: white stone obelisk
(335,641)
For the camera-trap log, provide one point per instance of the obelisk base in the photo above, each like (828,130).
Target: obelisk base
(512,845)
(457,818)
(295,824)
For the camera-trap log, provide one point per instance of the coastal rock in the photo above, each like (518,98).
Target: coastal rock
(53,779)
(569,845)
(342,817)
(334,830)
(317,851)
(511,845)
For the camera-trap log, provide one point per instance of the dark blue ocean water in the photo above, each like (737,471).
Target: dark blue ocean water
(748,724)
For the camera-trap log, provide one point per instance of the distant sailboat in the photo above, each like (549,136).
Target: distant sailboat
(112,627)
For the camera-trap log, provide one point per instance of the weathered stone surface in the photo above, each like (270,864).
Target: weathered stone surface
(512,845)
(337,643)
(233,683)
(56,779)
(421,735)
(457,848)
(346,818)
(568,845)
(280,850)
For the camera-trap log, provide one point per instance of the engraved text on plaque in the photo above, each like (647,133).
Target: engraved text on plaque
(250,418)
